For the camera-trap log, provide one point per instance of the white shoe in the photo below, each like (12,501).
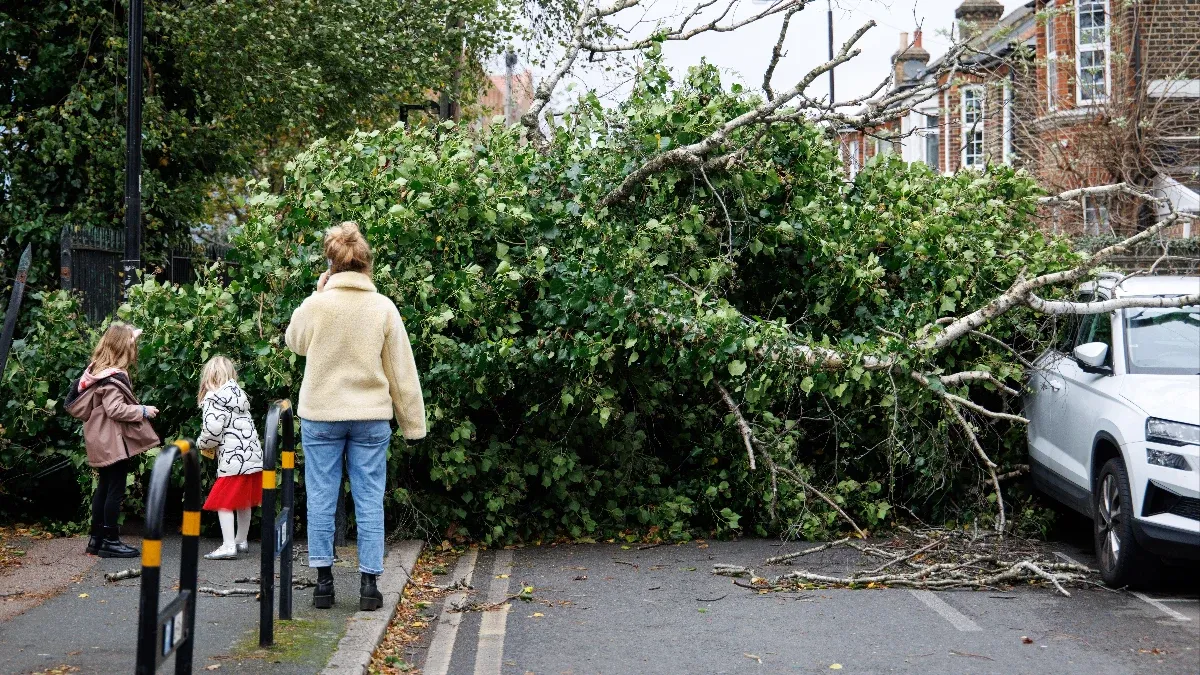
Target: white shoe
(225,552)
(243,547)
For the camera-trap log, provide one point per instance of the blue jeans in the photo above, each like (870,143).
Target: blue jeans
(366,446)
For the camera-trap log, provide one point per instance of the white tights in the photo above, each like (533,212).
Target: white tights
(227,530)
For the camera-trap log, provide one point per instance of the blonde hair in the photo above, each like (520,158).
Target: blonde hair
(347,250)
(214,375)
(117,348)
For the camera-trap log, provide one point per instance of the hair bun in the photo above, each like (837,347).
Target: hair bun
(347,249)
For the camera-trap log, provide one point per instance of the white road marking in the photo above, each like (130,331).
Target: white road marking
(490,652)
(437,659)
(956,618)
(1158,604)
(1069,559)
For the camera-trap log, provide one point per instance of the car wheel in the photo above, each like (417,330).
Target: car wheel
(1122,562)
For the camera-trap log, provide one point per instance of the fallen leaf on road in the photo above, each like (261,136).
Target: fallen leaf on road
(213,666)
(538,615)
(83,595)
(835,666)
(702,546)
(418,624)
(501,576)
(1026,639)
(703,610)
(756,657)
(688,569)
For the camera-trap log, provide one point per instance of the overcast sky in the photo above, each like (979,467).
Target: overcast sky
(744,54)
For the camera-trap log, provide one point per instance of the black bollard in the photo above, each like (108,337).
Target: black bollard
(172,630)
(276,530)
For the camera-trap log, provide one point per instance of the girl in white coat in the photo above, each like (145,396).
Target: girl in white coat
(228,428)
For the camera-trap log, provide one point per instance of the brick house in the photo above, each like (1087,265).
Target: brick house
(1053,87)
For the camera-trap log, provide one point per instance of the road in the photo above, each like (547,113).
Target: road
(604,609)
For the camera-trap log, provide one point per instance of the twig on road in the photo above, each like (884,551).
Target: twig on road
(123,574)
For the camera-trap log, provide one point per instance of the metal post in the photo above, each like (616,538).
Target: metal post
(266,571)
(133,148)
(65,259)
(172,630)
(276,529)
(510,62)
(830,16)
(289,508)
(14,306)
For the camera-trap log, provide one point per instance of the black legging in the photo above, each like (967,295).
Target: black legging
(106,500)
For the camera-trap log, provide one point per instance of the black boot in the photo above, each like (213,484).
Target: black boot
(93,545)
(323,593)
(111,546)
(369,597)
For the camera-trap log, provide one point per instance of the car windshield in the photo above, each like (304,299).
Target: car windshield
(1163,341)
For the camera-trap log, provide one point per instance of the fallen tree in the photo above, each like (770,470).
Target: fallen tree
(672,316)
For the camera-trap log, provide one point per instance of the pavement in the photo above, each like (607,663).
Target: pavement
(604,609)
(71,616)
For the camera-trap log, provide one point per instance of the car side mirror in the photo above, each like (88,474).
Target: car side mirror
(1091,358)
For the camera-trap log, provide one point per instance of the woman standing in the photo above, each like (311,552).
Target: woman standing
(359,374)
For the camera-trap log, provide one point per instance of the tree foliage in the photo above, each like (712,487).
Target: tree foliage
(573,354)
(230,86)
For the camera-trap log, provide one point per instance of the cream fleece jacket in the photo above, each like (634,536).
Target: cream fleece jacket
(359,363)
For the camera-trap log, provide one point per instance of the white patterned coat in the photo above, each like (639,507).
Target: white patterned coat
(227,425)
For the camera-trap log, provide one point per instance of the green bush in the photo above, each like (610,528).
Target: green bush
(571,353)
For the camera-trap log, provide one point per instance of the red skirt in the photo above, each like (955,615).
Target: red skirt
(234,493)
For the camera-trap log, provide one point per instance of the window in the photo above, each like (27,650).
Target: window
(1092,49)
(854,164)
(972,126)
(1051,62)
(1095,216)
(1068,325)
(931,141)
(1096,328)
(1008,124)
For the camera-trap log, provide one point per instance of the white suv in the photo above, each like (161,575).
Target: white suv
(1114,425)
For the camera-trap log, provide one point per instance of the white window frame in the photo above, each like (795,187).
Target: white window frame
(1007,149)
(1096,219)
(854,163)
(1102,47)
(1051,60)
(976,127)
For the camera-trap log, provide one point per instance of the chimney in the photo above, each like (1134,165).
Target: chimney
(976,17)
(909,61)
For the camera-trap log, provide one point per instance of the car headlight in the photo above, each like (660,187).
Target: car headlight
(1168,459)
(1172,433)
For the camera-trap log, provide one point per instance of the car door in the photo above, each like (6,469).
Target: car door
(1088,395)
(1046,402)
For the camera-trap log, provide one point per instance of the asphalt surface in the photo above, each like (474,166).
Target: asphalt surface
(92,624)
(604,609)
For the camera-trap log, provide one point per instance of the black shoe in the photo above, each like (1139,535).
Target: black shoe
(369,597)
(115,548)
(93,546)
(323,593)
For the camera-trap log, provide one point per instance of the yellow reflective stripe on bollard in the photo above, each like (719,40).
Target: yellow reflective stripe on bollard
(191,523)
(268,480)
(151,552)
(289,460)
(184,446)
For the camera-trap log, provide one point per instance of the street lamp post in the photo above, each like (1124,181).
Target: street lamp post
(133,149)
